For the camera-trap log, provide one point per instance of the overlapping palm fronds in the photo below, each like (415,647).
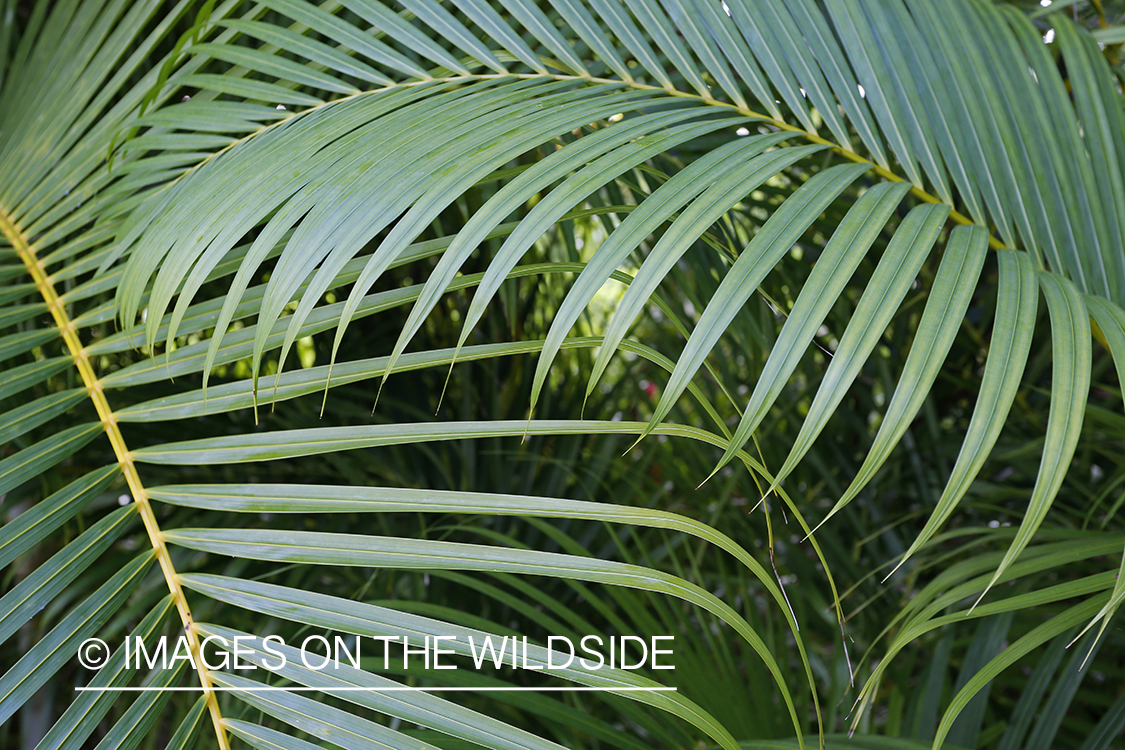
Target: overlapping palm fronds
(269,177)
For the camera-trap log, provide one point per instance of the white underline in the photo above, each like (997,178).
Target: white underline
(382,689)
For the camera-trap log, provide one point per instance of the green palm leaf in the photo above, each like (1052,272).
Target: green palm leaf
(730,182)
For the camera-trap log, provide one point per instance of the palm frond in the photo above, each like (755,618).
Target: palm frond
(277,169)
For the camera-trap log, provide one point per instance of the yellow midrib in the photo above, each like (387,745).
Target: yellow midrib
(65,325)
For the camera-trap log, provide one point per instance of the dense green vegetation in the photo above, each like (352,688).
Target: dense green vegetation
(791,330)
